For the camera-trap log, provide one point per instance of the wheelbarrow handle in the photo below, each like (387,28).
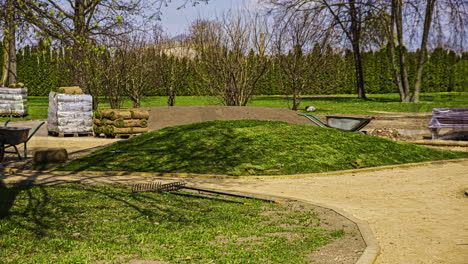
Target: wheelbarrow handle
(320,123)
(35,130)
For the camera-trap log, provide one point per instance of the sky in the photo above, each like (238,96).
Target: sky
(175,22)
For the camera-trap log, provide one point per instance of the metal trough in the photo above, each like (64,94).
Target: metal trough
(346,123)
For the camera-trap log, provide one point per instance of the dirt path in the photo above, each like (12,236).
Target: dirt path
(418,214)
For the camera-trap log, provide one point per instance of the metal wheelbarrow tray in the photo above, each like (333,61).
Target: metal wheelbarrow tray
(10,137)
(346,123)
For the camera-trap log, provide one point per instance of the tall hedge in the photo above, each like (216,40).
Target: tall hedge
(445,71)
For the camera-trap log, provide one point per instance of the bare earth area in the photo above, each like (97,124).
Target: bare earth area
(418,214)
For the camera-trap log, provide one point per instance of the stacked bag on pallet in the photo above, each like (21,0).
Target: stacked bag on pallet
(14,100)
(112,122)
(70,111)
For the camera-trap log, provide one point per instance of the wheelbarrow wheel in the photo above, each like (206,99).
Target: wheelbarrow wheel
(2,152)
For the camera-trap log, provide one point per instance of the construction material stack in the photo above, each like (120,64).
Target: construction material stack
(120,122)
(70,113)
(14,100)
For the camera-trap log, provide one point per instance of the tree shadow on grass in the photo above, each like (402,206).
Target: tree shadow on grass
(44,212)
(8,197)
(208,148)
(33,210)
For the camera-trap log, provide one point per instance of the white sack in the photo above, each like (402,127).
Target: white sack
(13,91)
(69,129)
(73,98)
(74,107)
(13,97)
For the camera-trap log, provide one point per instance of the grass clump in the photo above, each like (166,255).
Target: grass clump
(104,224)
(253,147)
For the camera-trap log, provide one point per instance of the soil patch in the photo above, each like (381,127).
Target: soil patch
(165,116)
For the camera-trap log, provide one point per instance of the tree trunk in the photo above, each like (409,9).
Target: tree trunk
(404,97)
(296,100)
(136,102)
(79,44)
(9,67)
(171,96)
(398,15)
(356,35)
(6,60)
(422,55)
(359,73)
(391,49)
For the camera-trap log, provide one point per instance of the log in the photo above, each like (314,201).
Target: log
(130,123)
(97,130)
(70,90)
(114,114)
(130,130)
(50,155)
(139,114)
(112,130)
(121,123)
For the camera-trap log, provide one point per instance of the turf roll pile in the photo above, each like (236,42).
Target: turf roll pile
(112,122)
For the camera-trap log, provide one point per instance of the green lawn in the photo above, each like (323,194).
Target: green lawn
(252,147)
(103,224)
(325,104)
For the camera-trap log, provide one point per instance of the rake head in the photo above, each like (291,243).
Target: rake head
(157,187)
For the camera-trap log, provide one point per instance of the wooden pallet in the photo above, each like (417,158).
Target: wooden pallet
(121,136)
(13,115)
(80,134)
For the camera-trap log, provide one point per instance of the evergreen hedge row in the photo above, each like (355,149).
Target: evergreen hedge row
(445,71)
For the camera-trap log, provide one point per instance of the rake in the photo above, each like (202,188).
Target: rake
(175,186)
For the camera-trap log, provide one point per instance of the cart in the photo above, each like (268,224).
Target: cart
(346,123)
(10,137)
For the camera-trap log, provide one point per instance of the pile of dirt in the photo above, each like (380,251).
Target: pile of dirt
(166,116)
(389,133)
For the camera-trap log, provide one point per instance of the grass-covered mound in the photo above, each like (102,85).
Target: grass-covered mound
(98,224)
(252,147)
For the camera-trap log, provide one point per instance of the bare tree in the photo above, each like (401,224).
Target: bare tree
(229,57)
(417,17)
(107,74)
(348,16)
(299,45)
(172,71)
(399,72)
(430,4)
(139,67)
(83,25)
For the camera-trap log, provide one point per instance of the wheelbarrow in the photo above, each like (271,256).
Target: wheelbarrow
(10,137)
(346,123)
